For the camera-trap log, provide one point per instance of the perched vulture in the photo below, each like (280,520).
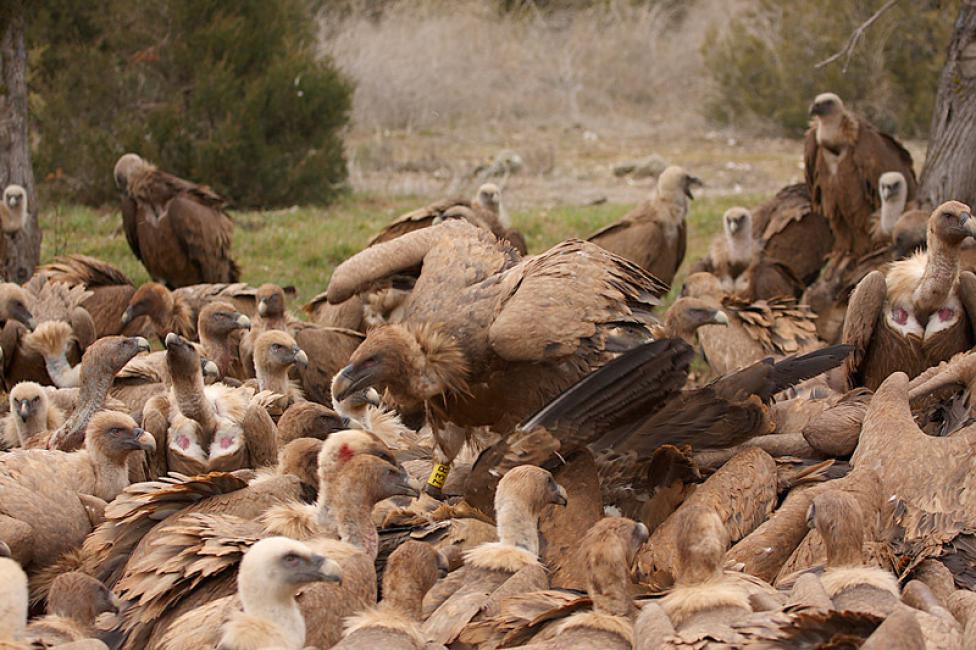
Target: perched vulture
(918,313)
(13,212)
(792,232)
(844,157)
(179,230)
(487,337)
(178,311)
(741,265)
(893,190)
(654,235)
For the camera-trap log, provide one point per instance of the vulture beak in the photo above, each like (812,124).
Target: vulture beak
(263,307)
(887,192)
(560,498)
(321,569)
(142,344)
(14,201)
(172,340)
(23,315)
(692,181)
(407,486)
(301,359)
(642,534)
(23,410)
(720,318)
(127,317)
(968,223)
(244,322)
(142,440)
(818,108)
(811,517)
(4,550)
(210,369)
(350,380)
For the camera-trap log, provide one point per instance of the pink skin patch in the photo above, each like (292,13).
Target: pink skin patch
(899,315)
(183,442)
(946,313)
(345,453)
(226,442)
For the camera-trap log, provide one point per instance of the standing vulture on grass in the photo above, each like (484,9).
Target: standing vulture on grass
(654,235)
(178,229)
(917,314)
(486,337)
(844,157)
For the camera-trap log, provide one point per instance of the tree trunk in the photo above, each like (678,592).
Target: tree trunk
(23,248)
(948,173)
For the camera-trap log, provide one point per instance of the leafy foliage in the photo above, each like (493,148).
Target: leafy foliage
(764,70)
(228,94)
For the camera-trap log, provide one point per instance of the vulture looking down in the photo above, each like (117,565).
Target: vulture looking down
(917,314)
(487,338)
(844,157)
(178,229)
(654,234)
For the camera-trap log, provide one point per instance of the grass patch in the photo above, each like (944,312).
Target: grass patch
(301,246)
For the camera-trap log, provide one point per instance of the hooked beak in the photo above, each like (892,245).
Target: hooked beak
(323,570)
(143,440)
(244,322)
(14,201)
(692,181)
(263,307)
(23,411)
(720,318)
(560,498)
(22,314)
(818,108)
(127,316)
(301,359)
(210,369)
(142,344)
(4,550)
(887,193)
(172,340)
(349,380)
(407,486)
(968,223)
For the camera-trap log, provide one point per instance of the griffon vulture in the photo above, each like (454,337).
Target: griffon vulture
(792,232)
(918,313)
(179,230)
(178,311)
(486,337)
(741,265)
(654,235)
(13,213)
(844,157)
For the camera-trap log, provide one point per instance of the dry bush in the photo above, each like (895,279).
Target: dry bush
(420,65)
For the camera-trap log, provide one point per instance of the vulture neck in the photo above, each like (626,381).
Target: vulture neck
(444,366)
(836,131)
(93,389)
(404,597)
(890,211)
(612,596)
(353,510)
(188,392)
(110,477)
(517,525)
(61,372)
(275,604)
(274,379)
(677,326)
(217,349)
(939,279)
(740,246)
(844,551)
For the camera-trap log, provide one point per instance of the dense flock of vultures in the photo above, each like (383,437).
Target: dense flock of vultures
(463,445)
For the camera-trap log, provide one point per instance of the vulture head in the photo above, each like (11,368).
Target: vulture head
(153,300)
(609,549)
(674,182)
(532,487)
(14,302)
(414,365)
(275,350)
(182,357)
(15,200)
(278,567)
(308,420)
(703,285)
(109,354)
(489,197)
(369,479)
(300,458)
(702,542)
(826,105)
(686,315)
(80,597)
(219,319)
(837,516)
(412,568)
(128,167)
(29,402)
(951,223)
(342,446)
(893,188)
(909,233)
(737,223)
(271,301)
(114,435)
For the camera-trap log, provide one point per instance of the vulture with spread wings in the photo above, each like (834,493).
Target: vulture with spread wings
(179,230)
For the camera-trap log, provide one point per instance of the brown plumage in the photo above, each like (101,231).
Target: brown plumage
(329,350)
(48,494)
(489,342)
(754,330)
(101,361)
(179,310)
(219,327)
(411,570)
(792,232)
(271,315)
(685,316)
(918,313)
(179,230)
(13,601)
(275,354)
(110,290)
(654,235)
(742,267)
(13,212)
(74,603)
(308,420)
(844,157)
(497,569)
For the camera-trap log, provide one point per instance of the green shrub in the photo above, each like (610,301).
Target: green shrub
(763,65)
(228,94)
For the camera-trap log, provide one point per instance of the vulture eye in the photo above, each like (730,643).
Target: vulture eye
(276,347)
(291,559)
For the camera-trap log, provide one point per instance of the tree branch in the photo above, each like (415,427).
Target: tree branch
(855,37)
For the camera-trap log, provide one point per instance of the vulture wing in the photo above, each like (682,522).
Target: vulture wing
(967,294)
(417,219)
(877,152)
(810,152)
(556,302)
(130,222)
(765,378)
(205,235)
(863,310)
